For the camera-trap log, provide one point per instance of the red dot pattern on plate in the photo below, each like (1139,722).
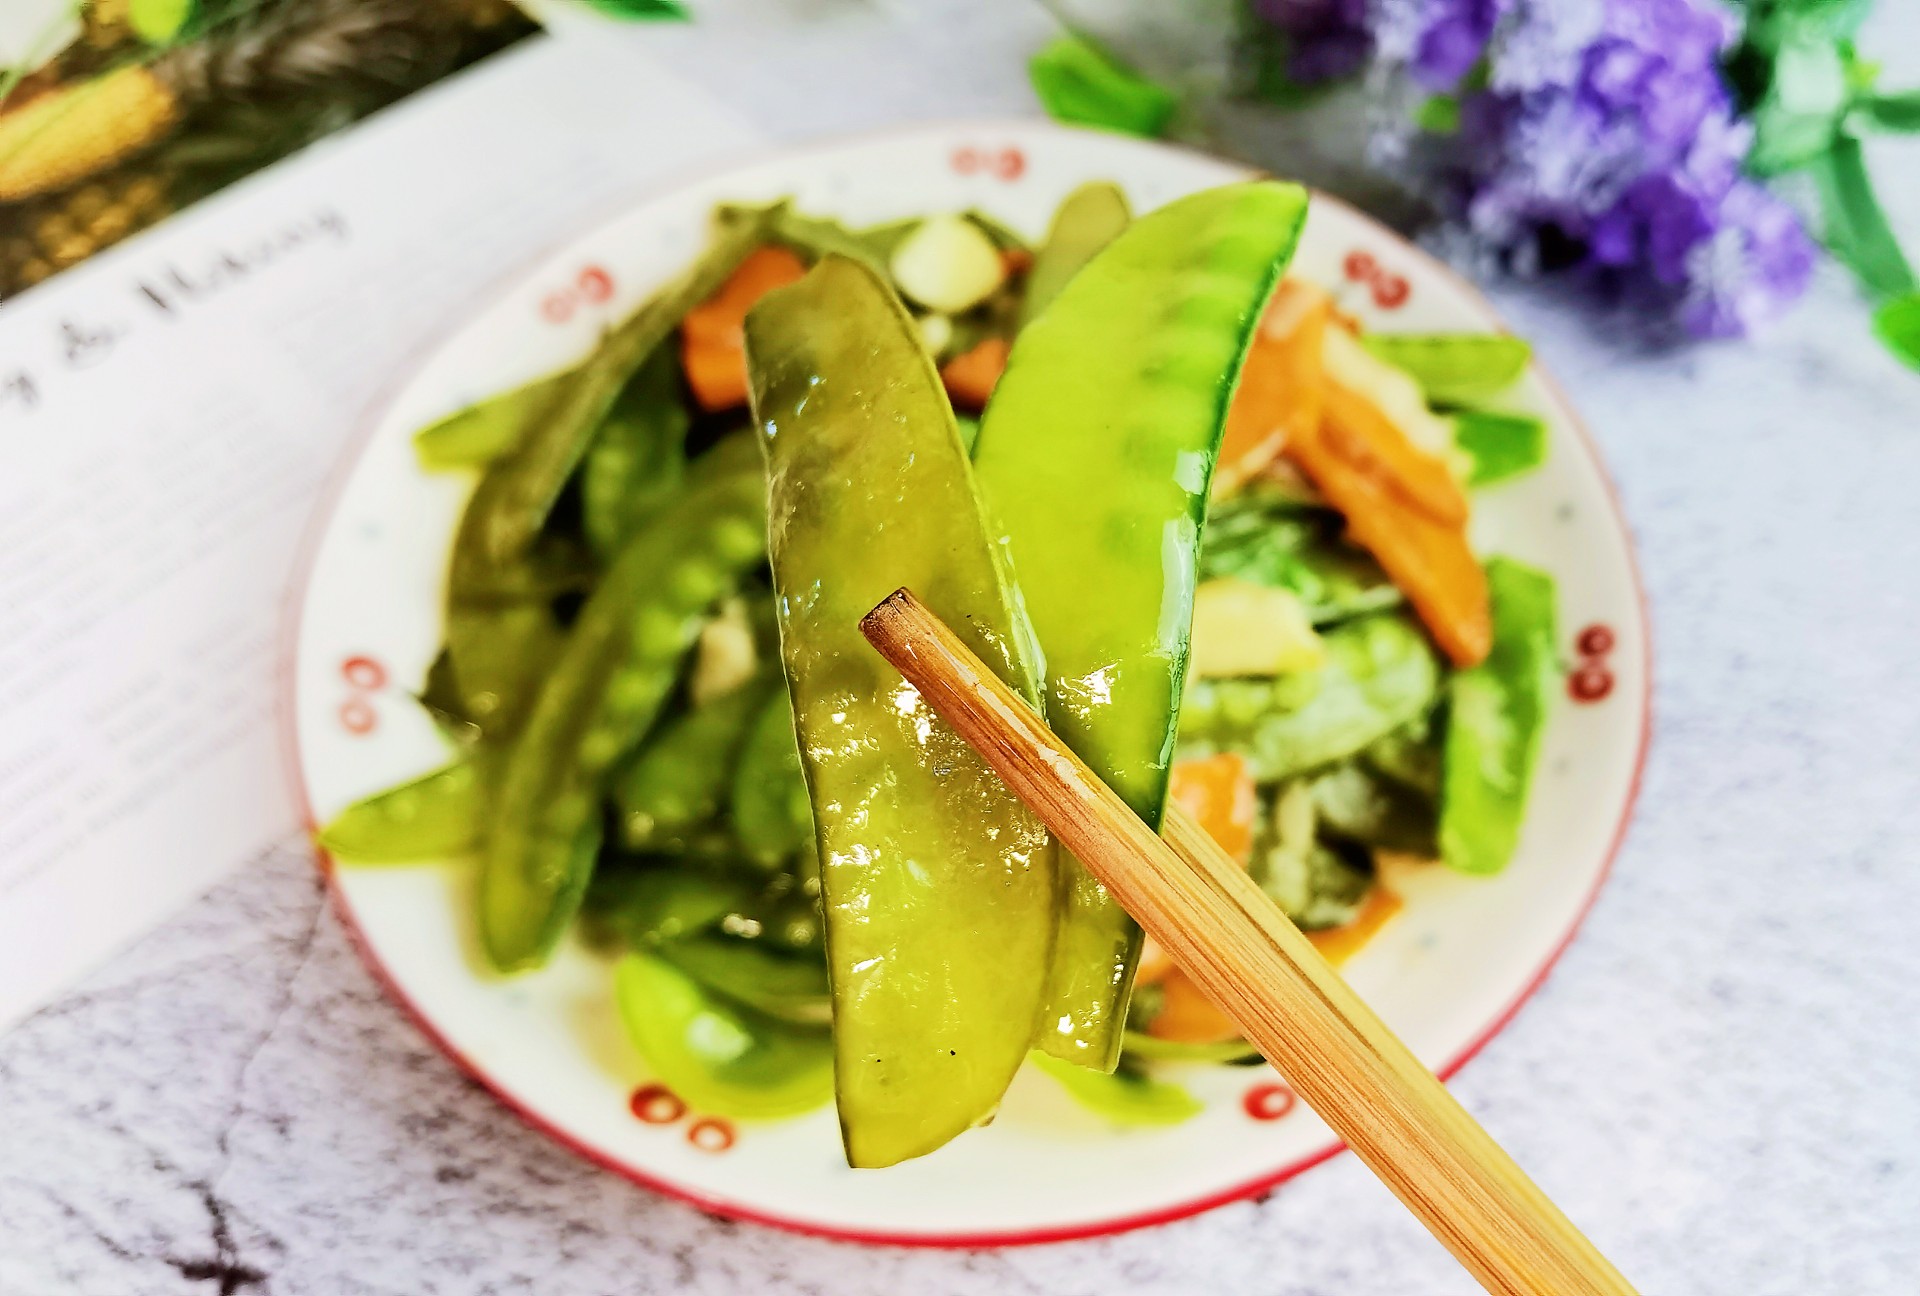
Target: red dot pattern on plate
(657,1105)
(364,677)
(710,1134)
(364,673)
(1390,291)
(1268,1102)
(1007,164)
(1591,681)
(591,286)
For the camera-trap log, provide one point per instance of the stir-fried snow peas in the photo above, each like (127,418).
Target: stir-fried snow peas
(623,744)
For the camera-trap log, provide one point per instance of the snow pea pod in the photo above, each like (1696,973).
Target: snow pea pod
(1500,446)
(1494,723)
(1089,218)
(1380,673)
(432,817)
(716,1056)
(487,429)
(637,458)
(1094,458)
(638,907)
(1128,1097)
(519,489)
(938,884)
(769,808)
(1454,368)
(679,779)
(784,987)
(617,666)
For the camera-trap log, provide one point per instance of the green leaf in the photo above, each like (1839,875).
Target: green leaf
(644,10)
(157,22)
(1891,112)
(1803,106)
(1856,228)
(1081,84)
(1898,324)
(1439,115)
(1773,23)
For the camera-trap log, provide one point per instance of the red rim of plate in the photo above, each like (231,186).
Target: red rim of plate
(308,557)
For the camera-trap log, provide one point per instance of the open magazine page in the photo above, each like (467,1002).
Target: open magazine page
(170,409)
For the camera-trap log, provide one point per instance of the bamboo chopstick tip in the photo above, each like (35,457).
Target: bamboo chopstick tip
(876,624)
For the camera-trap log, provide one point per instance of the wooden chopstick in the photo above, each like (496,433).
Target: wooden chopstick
(1217,924)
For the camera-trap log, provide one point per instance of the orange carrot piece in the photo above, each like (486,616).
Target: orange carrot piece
(1338,944)
(1430,561)
(1217,792)
(1281,387)
(970,377)
(1187,1016)
(713,352)
(1360,432)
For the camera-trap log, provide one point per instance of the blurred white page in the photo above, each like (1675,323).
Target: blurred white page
(168,413)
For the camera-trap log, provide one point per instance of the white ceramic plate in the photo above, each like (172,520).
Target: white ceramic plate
(1447,973)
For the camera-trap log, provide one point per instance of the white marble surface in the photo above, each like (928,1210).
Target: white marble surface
(1721,1080)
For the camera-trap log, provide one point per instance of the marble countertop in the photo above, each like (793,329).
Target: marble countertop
(1720,1081)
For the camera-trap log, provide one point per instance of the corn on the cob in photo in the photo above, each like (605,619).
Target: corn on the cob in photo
(101,153)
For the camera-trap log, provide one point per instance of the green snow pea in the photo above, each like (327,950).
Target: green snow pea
(938,884)
(783,986)
(678,779)
(1150,1048)
(768,804)
(1126,1097)
(717,1056)
(1498,711)
(1090,217)
(642,906)
(637,458)
(1454,368)
(1268,537)
(496,653)
(487,429)
(602,692)
(1094,458)
(1500,445)
(518,490)
(431,817)
(1380,673)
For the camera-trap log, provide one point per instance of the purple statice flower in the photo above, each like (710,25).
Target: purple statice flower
(1328,39)
(1604,125)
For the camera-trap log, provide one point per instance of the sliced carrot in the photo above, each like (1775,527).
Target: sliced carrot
(1430,561)
(1338,944)
(1281,386)
(1364,434)
(1186,1014)
(970,376)
(1217,791)
(713,351)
